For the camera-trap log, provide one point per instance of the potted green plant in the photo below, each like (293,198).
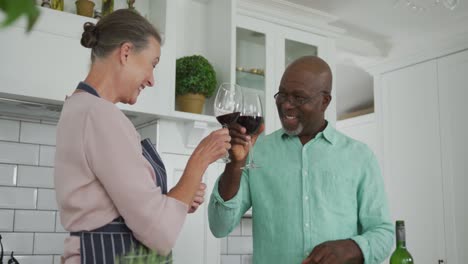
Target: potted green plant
(195,81)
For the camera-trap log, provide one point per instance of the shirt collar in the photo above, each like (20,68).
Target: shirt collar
(329,134)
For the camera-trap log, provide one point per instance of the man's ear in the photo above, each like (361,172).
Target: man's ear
(125,49)
(326,101)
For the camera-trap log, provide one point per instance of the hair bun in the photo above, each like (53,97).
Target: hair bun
(89,38)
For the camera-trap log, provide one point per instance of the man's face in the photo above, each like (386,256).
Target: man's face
(301,102)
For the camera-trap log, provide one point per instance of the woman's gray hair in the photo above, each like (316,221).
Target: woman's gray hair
(113,30)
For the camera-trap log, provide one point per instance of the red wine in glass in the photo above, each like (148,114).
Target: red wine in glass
(251,117)
(228,119)
(251,123)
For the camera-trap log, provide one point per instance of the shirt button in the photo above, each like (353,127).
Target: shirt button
(307,225)
(306,198)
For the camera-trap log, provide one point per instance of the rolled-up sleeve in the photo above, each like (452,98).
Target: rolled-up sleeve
(224,216)
(114,154)
(376,238)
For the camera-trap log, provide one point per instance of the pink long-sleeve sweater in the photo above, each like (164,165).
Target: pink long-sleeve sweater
(100,174)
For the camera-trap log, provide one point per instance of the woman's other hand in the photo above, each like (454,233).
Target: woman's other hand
(198,199)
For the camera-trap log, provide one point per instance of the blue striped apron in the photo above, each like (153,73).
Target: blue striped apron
(116,240)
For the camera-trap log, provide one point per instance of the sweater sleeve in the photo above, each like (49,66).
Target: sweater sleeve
(114,154)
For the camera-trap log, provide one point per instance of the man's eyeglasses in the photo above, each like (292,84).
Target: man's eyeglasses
(295,100)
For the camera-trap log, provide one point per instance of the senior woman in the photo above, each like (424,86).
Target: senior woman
(111,188)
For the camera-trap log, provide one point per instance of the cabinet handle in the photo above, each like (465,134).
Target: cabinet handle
(441,261)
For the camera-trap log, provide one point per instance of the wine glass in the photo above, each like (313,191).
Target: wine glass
(227,106)
(251,118)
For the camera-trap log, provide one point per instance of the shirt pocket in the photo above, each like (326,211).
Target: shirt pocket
(338,193)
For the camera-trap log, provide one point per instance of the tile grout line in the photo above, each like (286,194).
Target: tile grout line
(19,130)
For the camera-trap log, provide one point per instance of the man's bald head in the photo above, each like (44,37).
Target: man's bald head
(315,69)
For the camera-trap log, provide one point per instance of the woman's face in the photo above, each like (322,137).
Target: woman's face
(138,73)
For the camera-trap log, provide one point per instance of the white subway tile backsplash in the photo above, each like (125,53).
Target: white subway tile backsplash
(35,259)
(46,199)
(246,226)
(246,259)
(236,231)
(6,220)
(232,259)
(239,245)
(18,198)
(9,130)
(17,153)
(34,221)
(58,224)
(20,243)
(37,133)
(49,243)
(57,259)
(33,176)
(8,174)
(47,156)
(224,245)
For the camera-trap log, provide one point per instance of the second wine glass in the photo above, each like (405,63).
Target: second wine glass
(227,106)
(251,117)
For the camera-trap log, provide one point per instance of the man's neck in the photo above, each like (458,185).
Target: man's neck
(309,136)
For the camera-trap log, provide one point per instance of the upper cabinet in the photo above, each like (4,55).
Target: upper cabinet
(46,63)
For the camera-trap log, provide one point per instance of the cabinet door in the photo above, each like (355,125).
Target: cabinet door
(454,128)
(412,159)
(195,244)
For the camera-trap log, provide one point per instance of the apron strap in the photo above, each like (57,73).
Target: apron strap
(151,154)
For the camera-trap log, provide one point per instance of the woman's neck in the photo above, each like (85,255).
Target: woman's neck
(102,79)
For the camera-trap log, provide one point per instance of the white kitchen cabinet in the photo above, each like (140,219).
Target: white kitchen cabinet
(452,73)
(421,113)
(412,155)
(195,243)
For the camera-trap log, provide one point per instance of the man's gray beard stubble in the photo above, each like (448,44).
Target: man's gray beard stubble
(295,132)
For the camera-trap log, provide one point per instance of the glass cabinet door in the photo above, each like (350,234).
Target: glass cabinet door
(294,50)
(250,59)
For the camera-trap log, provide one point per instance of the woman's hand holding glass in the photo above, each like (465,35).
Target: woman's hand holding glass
(213,147)
(227,106)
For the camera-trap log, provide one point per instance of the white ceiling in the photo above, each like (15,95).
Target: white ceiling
(392,26)
(389,23)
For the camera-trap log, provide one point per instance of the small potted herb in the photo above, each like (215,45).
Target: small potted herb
(195,81)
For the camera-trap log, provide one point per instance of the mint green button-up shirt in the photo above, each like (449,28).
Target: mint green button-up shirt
(328,189)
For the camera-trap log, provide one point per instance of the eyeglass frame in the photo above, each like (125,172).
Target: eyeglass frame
(296,101)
